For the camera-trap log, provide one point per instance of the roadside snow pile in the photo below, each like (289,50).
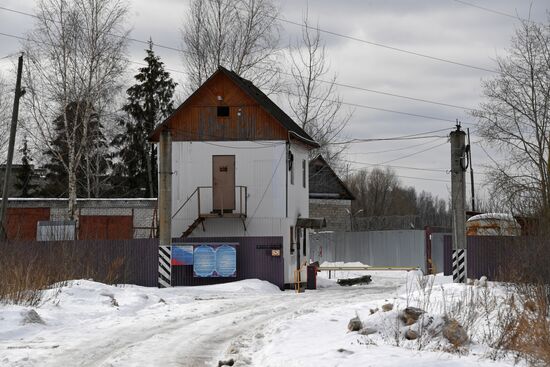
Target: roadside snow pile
(428,322)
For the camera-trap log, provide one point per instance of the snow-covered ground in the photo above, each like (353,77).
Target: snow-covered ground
(252,321)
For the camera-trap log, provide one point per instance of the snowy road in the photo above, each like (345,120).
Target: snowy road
(91,324)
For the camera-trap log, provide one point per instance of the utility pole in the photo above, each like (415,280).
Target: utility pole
(11,146)
(165,209)
(459,165)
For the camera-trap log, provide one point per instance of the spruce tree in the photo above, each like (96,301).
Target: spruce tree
(88,171)
(24,176)
(149,101)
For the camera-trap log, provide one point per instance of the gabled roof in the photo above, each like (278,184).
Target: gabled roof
(295,131)
(324,183)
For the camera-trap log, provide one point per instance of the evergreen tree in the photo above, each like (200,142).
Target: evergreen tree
(94,160)
(149,102)
(24,176)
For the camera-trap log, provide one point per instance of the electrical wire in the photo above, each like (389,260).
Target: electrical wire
(318,98)
(393,150)
(422,135)
(377,44)
(268,185)
(516,17)
(413,154)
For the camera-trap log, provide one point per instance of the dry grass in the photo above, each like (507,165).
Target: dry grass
(527,329)
(28,269)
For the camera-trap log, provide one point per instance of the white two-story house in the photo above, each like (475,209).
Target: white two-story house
(239,175)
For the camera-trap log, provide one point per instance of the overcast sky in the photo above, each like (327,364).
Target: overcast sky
(440,28)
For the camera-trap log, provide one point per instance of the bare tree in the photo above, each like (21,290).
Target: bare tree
(5,112)
(76,56)
(313,98)
(515,120)
(241,35)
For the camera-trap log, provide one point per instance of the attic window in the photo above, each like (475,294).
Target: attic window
(223,111)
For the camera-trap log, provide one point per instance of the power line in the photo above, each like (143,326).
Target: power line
(111,34)
(516,17)
(415,153)
(381,109)
(435,58)
(398,167)
(377,44)
(344,85)
(422,135)
(350,86)
(327,100)
(393,150)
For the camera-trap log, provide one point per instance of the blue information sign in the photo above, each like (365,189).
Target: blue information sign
(226,261)
(204,261)
(215,260)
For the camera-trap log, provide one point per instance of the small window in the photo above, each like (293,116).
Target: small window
(304,173)
(223,111)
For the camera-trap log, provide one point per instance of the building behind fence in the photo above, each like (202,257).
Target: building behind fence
(96,219)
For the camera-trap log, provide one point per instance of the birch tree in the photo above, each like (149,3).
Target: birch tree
(241,35)
(312,96)
(76,55)
(5,107)
(515,119)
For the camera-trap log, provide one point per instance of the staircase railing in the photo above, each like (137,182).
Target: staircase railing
(243,200)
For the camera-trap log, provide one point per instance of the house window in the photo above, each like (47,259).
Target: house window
(304,173)
(223,111)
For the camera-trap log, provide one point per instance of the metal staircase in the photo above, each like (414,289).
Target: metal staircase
(240,212)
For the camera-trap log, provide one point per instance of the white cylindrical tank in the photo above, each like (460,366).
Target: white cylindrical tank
(493,224)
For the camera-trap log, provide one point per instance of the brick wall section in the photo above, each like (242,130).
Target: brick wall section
(140,211)
(334,211)
(143,218)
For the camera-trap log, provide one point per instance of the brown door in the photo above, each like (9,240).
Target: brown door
(223,183)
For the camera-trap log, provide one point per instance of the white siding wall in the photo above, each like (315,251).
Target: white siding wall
(259,165)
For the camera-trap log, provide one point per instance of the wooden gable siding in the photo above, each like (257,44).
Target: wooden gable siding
(197,119)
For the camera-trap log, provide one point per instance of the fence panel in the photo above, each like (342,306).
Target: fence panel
(377,248)
(492,256)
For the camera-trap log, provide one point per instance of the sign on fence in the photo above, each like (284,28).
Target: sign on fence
(215,260)
(182,255)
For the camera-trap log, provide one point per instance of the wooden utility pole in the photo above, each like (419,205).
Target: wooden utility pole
(459,164)
(165,209)
(11,146)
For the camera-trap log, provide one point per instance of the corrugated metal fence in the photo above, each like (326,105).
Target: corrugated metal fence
(136,261)
(498,257)
(376,248)
(116,261)
(254,260)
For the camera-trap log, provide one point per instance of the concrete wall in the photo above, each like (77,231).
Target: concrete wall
(376,248)
(273,202)
(334,211)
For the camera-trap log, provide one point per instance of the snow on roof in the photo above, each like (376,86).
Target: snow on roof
(492,216)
